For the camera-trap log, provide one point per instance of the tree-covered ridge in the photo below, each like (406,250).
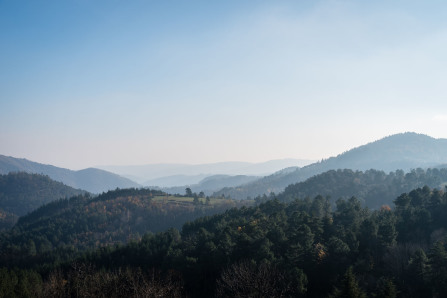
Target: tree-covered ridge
(373,188)
(114,217)
(21,193)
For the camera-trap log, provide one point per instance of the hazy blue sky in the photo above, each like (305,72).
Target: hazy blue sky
(85,82)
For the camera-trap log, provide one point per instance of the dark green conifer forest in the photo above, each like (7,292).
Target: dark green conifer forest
(302,248)
(21,193)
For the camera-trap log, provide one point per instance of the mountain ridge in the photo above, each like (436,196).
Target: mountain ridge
(91,179)
(404,151)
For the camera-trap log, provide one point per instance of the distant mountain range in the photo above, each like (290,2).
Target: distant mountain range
(168,175)
(176,181)
(404,151)
(211,184)
(238,179)
(91,179)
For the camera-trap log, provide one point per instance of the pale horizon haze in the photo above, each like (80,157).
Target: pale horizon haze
(88,83)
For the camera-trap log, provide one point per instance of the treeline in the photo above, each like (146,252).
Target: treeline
(373,188)
(300,249)
(21,193)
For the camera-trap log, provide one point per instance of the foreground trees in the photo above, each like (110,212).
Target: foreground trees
(246,279)
(83,280)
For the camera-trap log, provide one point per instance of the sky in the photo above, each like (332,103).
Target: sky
(86,83)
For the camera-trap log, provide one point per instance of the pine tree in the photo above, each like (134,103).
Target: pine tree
(438,269)
(349,287)
(386,289)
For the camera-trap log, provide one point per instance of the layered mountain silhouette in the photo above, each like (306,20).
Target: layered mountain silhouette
(91,179)
(168,175)
(403,151)
(211,184)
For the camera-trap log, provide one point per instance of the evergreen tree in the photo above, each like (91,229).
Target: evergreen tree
(417,275)
(438,269)
(349,287)
(386,289)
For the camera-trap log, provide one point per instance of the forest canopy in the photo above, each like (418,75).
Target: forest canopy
(301,248)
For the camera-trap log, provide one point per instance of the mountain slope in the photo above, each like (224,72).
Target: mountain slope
(21,193)
(114,217)
(92,180)
(401,151)
(373,188)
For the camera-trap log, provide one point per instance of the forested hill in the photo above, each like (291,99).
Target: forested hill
(298,249)
(404,151)
(114,217)
(373,188)
(21,193)
(91,179)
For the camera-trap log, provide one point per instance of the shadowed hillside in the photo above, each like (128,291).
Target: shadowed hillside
(114,217)
(373,188)
(21,193)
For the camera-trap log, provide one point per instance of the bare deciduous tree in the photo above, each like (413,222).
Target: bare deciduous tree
(84,281)
(246,279)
